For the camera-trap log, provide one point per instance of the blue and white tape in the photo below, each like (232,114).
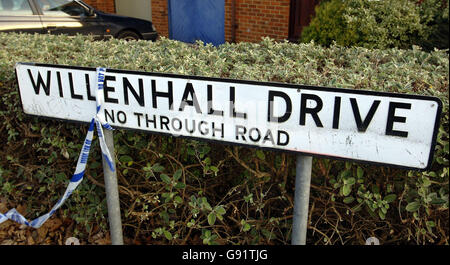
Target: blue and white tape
(97,121)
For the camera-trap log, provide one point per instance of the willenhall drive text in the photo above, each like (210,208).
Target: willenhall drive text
(387,128)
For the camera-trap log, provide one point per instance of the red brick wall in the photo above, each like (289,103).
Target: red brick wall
(228,20)
(160,17)
(107,6)
(259,18)
(254,19)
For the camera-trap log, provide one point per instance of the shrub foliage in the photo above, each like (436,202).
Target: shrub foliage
(380,24)
(178,191)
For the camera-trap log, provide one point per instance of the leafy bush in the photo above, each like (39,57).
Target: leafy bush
(178,191)
(434,13)
(380,24)
(329,25)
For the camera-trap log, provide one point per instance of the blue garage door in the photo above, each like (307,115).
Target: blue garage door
(191,20)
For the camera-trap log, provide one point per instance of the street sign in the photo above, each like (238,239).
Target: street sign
(366,126)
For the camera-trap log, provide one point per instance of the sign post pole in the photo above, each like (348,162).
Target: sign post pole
(112,194)
(301,199)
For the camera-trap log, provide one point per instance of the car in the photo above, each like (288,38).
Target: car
(70,17)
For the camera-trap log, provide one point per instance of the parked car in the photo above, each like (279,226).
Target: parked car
(70,17)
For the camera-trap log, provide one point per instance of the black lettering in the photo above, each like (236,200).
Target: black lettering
(240,130)
(233,111)
(268,137)
(88,88)
(337,112)
(107,89)
(279,142)
(72,89)
(217,129)
(164,121)
(392,118)
(362,125)
(40,83)
(60,88)
(313,111)
(180,124)
(124,117)
(212,111)
(193,126)
(203,132)
(109,116)
(288,102)
(138,115)
(156,94)
(250,134)
(127,86)
(189,91)
(147,121)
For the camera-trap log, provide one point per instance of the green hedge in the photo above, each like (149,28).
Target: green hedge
(177,191)
(380,24)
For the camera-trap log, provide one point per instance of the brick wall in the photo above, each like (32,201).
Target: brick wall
(160,17)
(107,6)
(254,19)
(228,20)
(259,18)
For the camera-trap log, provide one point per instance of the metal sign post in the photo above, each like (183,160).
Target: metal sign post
(112,193)
(301,199)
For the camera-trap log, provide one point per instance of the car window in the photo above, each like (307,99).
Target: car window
(15,8)
(62,8)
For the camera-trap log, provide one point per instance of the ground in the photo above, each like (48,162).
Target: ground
(55,231)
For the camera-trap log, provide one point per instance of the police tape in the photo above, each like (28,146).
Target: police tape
(97,121)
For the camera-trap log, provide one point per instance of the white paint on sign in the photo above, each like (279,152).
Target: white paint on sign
(386,128)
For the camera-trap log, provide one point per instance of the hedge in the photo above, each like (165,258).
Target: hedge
(380,24)
(179,191)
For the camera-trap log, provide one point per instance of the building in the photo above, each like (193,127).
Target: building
(234,21)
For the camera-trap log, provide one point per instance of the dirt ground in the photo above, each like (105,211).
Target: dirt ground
(56,231)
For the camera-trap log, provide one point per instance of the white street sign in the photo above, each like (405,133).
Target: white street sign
(366,126)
